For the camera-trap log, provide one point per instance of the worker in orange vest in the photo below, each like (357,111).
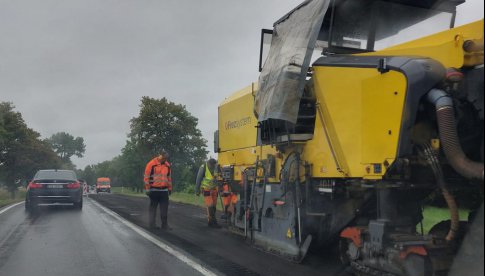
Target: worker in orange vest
(207,183)
(229,200)
(158,187)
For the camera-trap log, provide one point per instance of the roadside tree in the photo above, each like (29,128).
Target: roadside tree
(162,124)
(22,152)
(66,146)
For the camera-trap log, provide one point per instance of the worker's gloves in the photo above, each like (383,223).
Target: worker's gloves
(147,193)
(197,193)
(169,192)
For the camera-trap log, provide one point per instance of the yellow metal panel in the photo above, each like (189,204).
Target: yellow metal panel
(359,106)
(241,93)
(383,99)
(238,133)
(237,123)
(445,47)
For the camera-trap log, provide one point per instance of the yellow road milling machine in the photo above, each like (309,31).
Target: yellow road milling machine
(363,109)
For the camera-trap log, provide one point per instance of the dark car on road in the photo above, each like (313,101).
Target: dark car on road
(54,187)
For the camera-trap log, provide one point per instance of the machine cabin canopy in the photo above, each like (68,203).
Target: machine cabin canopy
(369,25)
(336,27)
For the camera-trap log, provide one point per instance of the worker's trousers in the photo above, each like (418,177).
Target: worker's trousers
(210,199)
(158,198)
(229,199)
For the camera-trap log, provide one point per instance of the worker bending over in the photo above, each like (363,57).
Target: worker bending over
(158,187)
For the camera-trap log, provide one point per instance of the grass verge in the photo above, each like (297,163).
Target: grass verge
(180,197)
(5,197)
(126,191)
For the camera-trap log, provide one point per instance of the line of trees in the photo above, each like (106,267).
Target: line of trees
(23,152)
(160,124)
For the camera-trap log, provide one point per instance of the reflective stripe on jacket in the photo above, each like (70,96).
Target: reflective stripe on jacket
(208,182)
(157,175)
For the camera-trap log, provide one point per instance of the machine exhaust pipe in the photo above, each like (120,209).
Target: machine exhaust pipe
(449,137)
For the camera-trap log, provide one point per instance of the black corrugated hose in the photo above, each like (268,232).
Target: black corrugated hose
(449,137)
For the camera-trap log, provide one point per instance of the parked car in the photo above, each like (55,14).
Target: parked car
(54,187)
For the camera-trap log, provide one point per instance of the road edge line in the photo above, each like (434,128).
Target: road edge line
(150,237)
(5,209)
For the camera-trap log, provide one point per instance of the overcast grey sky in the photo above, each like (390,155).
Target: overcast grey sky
(82,66)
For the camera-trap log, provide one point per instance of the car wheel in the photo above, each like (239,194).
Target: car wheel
(29,206)
(78,205)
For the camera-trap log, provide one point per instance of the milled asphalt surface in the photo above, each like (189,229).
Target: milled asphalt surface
(220,249)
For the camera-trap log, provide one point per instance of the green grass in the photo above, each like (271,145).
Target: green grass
(434,215)
(5,197)
(126,191)
(180,197)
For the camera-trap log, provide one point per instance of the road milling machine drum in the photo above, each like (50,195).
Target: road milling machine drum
(363,109)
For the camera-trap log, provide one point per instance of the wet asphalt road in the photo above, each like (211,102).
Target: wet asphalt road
(65,241)
(219,249)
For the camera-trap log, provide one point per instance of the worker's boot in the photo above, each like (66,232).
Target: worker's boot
(151,223)
(151,219)
(166,227)
(165,224)
(212,218)
(225,215)
(240,216)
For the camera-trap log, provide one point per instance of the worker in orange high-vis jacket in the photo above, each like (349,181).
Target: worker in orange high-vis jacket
(207,183)
(158,187)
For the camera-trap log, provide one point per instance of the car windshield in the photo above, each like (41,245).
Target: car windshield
(55,175)
(103,183)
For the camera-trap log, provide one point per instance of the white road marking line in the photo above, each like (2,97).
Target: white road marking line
(10,207)
(179,255)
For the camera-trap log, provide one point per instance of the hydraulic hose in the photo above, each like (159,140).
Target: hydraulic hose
(454,214)
(450,200)
(449,137)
